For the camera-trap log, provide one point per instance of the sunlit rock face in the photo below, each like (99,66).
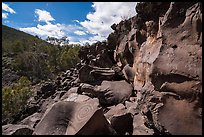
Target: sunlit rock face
(164,50)
(146,79)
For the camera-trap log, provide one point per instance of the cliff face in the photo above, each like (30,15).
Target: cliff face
(145,80)
(167,64)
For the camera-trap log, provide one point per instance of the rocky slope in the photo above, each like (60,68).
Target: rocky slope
(146,80)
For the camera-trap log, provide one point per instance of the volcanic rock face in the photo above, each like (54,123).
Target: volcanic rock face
(145,80)
(12,129)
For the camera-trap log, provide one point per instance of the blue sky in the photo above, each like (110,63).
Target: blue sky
(80,21)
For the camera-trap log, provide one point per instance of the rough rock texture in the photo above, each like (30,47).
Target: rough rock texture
(97,54)
(109,92)
(170,61)
(120,119)
(68,117)
(11,129)
(146,79)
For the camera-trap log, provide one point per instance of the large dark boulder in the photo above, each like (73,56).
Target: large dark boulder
(70,118)
(114,92)
(109,92)
(121,120)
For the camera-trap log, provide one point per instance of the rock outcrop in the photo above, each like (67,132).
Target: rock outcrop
(145,80)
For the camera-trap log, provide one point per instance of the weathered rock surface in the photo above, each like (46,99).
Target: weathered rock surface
(32,120)
(109,92)
(91,74)
(145,80)
(68,117)
(139,127)
(97,54)
(170,61)
(12,129)
(120,119)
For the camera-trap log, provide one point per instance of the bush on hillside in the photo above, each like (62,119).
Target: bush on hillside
(15,97)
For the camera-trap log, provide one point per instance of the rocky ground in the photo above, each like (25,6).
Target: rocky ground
(145,80)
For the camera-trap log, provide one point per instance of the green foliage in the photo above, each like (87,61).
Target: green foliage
(69,57)
(35,58)
(14,97)
(31,64)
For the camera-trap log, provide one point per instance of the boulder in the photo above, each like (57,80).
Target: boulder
(70,118)
(98,54)
(139,127)
(123,124)
(71,90)
(32,120)
(14,129)
(90,74)
(120,119)
(77,98)
(128,73)
(114,92)
(109,92)
(46,90)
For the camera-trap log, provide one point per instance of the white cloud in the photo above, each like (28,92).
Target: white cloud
(78,32)
(44,16)
(106,14)
(83,41)
(76,21)
(5,7)
(4,15)
(97,38)
(73,42)
(95,28)
(91,40)
(52,30)
(56,30)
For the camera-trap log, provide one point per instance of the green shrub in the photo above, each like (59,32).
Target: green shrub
(14,97)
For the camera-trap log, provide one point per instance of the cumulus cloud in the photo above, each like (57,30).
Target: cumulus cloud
(4,15)
(78,32)
(43,15)
(96,38)
(106,14)
(52,30)
(49,29)
(7,9)
(95,28)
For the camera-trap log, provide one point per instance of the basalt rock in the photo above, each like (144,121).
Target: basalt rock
(92,74)
(97,54)
(46,90)
(12,129)
(168,71)
(129,73)
(145,80)
(109,92)
(32,120)
(120,119)
(114,92)
(139,127)
(70,118)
